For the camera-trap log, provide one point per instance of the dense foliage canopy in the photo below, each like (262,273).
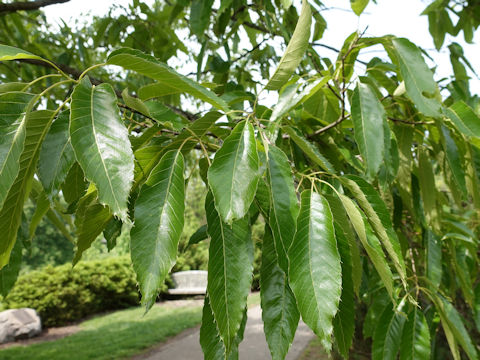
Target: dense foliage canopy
(366,177)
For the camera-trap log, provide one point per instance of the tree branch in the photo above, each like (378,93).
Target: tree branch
(76,73)
(28,6)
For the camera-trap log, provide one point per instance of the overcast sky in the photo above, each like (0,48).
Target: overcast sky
(400,18)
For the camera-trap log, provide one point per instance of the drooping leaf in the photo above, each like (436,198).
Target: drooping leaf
(416,337)
(344,320)
(379,218)
(9,273)
(427,187)
(101,145)
(200,16)
(370,243)
(42,205)
(91,218)
(283,203)
(147,65)
(315,270)
(452,322)
(212,344)
(210,340)
(233,175)
(37,124)
(199,235)
(12,137)
(279,309)
(75,184)
(112,231)
(433,258)
(419,83)
(368,119)
(358,6)
(56,155)
(230,267)
(464,118)
(295,50)
(388,335)
(454,160)
(159,219)
(309,149)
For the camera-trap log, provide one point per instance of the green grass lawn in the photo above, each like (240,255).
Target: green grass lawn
(112,336)
(117,335)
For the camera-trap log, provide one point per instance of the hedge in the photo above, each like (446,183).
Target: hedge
(61,295)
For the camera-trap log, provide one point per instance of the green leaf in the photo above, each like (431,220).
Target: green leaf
(210,340)
(289,98)
(233,176)
(309,149)
(464,118)
(42,205)
(284,204)
(428,189)
(149,156)
(368,118)
(56,155)
(454,160)
(13,53)
(344,321)
(230,268)
(295,50)
(101,144)
(388,335)
(91,218)
(279,308)
(419,83)
(75,184)
(200,11)
(212,344)
(156,90)
(416,337)
(12,137)
(112,231)
(199,235)
(370,243)
(135,103)
(452,323)
(379,218)
(315,270)
(159,219)
(37,124)
(434,258)
(358,6)
(147,65)
(9,273)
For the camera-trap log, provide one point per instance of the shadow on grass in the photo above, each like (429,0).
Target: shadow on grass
(112,336)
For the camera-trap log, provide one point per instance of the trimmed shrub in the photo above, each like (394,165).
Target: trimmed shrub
(61,295)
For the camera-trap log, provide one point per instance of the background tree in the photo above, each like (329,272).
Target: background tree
(367,181)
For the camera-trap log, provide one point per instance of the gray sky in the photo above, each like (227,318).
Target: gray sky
(399,18)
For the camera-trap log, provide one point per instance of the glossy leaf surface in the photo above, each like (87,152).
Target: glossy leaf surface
(295,50)
(315,270)
(230,269)
(101,145)
(159,219)
(368,119)
(233,175)
(279,308)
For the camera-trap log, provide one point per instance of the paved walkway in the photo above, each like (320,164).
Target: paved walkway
(253,347)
